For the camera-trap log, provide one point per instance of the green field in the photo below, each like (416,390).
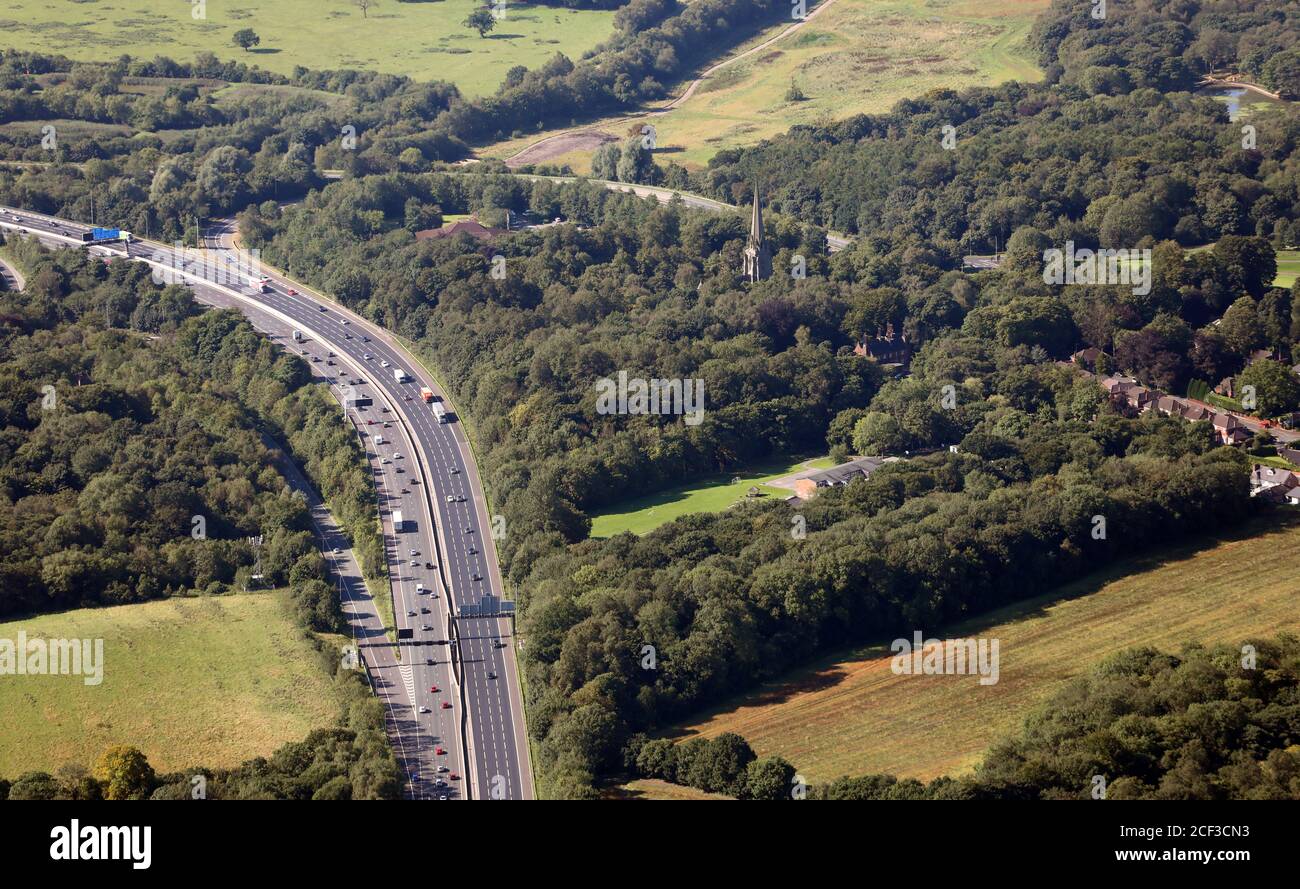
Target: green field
(423,40)
(851,715)
(653,788)
(1288,268)
(712,494)
(205,681)
(857,56)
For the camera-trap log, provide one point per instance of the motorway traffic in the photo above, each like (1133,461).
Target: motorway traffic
(456,710)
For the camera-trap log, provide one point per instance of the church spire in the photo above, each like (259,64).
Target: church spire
(758,258)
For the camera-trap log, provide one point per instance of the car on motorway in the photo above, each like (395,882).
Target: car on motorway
(477,576)
(385,461)
(291,292)
(415,552)
(440,751)
(406,490)
(443,769)
(414,564)
(454,777)
(460,498)
(446,705)
(384,364)
(455,470)
(424,611)
(428,565)
(424,710)
(439,783)
(419,588)
(473,551)
(368,357)
(443,796)
(451,499)
(433,689)
(344,321)
(336,550)
(469,530)
(426,628)
(491,675)
(322,309)
(399,469)
(410,613)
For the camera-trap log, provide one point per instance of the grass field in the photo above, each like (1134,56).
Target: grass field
(653,788)
(208,681)
(851,715)
(713,494)
(423,40)
(1288,268)
(857,56)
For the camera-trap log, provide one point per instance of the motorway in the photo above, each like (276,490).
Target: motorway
(426,470)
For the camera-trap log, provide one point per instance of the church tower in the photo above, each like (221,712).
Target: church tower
(758,259)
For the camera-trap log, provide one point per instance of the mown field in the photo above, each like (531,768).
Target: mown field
(423,40)
(1288,268)
(858,56)
(712,494)
(850,715)
(206,681)
(653,788)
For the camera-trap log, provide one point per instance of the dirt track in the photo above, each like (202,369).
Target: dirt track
(563,143)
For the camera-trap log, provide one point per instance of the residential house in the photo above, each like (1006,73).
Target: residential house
(1087,358)
(1276,485)
(1229,429)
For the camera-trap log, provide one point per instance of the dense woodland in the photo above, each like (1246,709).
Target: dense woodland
(155,414)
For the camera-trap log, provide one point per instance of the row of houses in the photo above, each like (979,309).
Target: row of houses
(1127,393)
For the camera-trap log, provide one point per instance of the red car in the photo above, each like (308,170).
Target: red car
(446,705)
(453,777)
(440,751)
(434,689)
(291,292)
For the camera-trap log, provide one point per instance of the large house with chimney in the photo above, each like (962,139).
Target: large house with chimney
(886,348)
